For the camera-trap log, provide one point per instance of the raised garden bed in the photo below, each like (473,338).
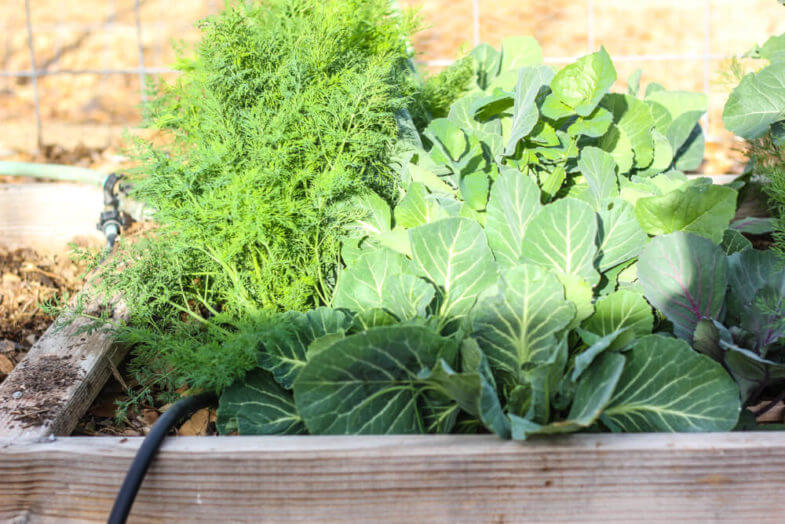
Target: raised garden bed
(47,476)
(503,249)
(430,478)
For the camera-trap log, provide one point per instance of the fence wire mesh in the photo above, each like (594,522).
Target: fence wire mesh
(699,55)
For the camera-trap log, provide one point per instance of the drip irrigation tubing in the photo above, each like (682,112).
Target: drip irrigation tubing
(144,457)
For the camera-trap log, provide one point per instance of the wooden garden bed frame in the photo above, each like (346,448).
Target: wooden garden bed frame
(47,476)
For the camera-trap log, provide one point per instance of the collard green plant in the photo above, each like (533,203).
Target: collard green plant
(756,112)
(526,285)
(481,275)
(728,306)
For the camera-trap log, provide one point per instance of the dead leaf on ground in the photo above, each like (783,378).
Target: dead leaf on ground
(198,424)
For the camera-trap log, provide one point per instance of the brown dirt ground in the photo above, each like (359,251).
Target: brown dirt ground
(27,279)
(94,109)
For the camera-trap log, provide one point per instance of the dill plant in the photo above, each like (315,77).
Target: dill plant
(283,117)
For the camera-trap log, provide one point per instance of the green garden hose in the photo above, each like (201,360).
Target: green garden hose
(53,172)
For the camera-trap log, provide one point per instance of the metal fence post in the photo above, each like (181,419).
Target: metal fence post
(36,98)
(141,50)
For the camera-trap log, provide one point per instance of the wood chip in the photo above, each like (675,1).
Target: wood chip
(6,364)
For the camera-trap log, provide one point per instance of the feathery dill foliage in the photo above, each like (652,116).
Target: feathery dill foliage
(438,92)
(283,116)
(767,157)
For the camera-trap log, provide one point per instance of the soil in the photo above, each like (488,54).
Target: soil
(28,279)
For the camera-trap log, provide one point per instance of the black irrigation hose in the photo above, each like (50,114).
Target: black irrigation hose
(135,476)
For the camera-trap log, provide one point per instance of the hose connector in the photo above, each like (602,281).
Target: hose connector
(112,220)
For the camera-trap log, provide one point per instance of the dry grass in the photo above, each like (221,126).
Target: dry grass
(99,34)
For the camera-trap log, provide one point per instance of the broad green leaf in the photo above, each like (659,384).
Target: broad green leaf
(544,380)
(369,383)
(430,180)
(519,326)
(454,254)
(652,88)
(634,82)
(708,336)
(561,237)
(417,208)
(595,389)
(486,63)
(685,277)
(473,393)
(594,125)
(379,279)
(552,180)
(734,242)
(756,103)
(662,117)
(552,107)
(372,318)
(257,405)
(599,346)
(757,283)
(377,215)
(690,156)
(397,240)
(498,103)
(462,111)
(468,212)
(617,143)
(514,199)
(525,112)
(753,225)
(682,128)
(284,345)
(474,189)
(443,132)
(772,50)
(609,280)
(704,209)
(750,371)
(582,84)
(621,310)
(663,155)
(578,291)
(666,386)
(599,170)
(633,117)
(592,394)
(751,270)
(679,102)
(688,141)
(360,286)
(619,235)
(519,51)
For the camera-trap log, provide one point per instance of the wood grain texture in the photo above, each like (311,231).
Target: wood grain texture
(47,216)
(627,478)
(49,391)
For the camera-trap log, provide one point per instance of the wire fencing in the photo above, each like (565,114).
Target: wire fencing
(479,9)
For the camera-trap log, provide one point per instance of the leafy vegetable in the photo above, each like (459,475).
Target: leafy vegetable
(757,102)
(474,267)
(701,290)
(667,387)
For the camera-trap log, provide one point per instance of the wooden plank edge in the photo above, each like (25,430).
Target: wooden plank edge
(430,478)
(59,378)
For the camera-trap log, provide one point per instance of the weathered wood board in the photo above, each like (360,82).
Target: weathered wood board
(53,386)
(61,375)
(732,477)
(46,216)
